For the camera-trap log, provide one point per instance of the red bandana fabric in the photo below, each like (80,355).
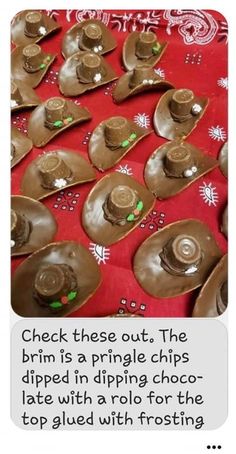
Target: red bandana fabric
(196,58)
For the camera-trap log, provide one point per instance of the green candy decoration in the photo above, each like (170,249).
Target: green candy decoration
(125,143)
(42,66)
(130,217)
(55,305)
(133,136)
(139,205)
(69,119)
(156,48)
(71,296)
(58,123)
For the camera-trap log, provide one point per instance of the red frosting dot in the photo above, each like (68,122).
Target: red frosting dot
(64,300)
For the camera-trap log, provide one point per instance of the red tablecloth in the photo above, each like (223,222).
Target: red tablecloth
(196,58)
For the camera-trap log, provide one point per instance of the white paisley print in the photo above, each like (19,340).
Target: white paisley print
(195,26)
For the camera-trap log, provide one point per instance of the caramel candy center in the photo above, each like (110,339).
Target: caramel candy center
(93,31)
(33,17)
(50,164)
(186,250)
(123,197)
(147,37)
(55,104)
(32,50)
(49,281)
(183,96)
(91,61)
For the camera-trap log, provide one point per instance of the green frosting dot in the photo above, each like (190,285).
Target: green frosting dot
(69,119)
(140,205)
(58,123)
(125,143)
(71,296)
(55,305)
(130,217)
(133,136)
(156,48)
(42,66)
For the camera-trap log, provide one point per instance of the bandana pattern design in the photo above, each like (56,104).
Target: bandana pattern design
(195,27)
(124,169)
(66,200)
(138,21)
(131,307)
(101,253)
(217,133)
(142,120)
(209,194)
(154,221)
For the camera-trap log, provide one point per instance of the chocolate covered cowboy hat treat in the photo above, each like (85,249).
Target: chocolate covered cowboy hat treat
(89,35)
(176,259)
(141,78)
(142,47)
(32,225)
(174,166)
(21,145)
(83,72)
(212,300)
(114,207)
(54,171)
(178,112)
(224,222)
(30,27)
(112,139)
(22,96)
(55,281)
(223,159)
(52,117)
(30,64)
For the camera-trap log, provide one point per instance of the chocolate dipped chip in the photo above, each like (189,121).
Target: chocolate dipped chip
(176,259)
(178,112)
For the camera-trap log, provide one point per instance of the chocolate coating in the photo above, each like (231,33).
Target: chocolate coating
(105,149)
(84,72)
(149,271)
(137,81)
(40,131)
(96,226)
(137,49)
(86,35)
(23,97)
(72,254)
(164,172)
(175,119)
(37,225)
(213,297)
(37,181)
(30,26)
(30,64)
(223,159)
(21,145)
